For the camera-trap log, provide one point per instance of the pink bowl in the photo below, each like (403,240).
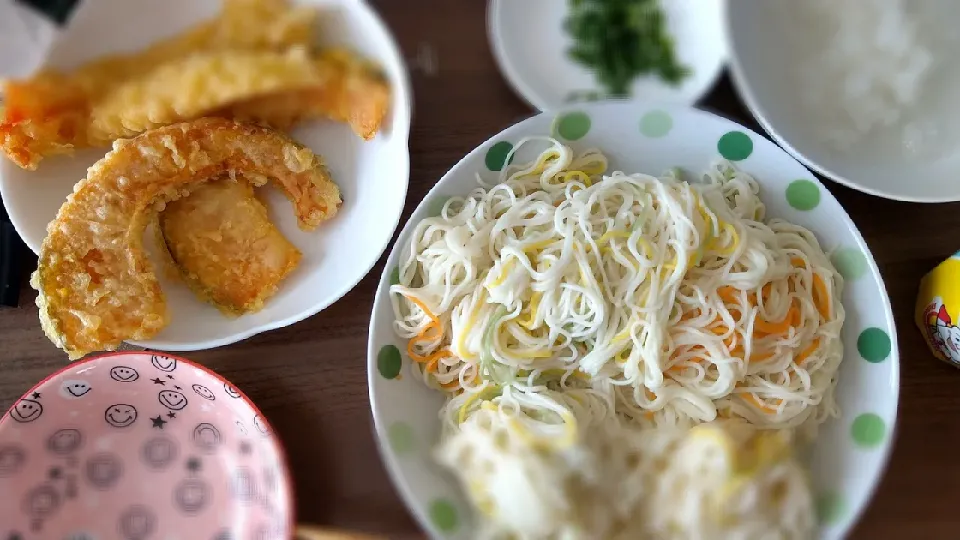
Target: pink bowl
(140,446)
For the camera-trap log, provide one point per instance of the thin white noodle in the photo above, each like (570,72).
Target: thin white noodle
(670,303)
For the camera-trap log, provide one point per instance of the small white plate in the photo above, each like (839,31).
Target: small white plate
(373,176)
(530,46)
(849,456)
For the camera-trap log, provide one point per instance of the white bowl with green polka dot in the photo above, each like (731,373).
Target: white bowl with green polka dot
(850,454)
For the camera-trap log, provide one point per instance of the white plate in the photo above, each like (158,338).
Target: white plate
(850,454)
(372,176)
(530,46)
(764,63)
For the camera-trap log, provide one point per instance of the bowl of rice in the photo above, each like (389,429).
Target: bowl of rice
(861,92)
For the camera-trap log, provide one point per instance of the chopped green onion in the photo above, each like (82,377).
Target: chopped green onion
(621,40)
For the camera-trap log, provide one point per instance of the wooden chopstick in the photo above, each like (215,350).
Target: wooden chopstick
(306,532)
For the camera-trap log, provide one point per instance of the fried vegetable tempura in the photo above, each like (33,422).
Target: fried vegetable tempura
(225,247)
(96,285)
(50,113)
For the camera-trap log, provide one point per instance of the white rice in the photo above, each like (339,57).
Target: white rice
(865,66)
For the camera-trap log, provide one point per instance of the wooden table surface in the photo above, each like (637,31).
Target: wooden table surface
(310,378)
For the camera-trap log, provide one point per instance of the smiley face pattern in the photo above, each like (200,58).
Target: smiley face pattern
(76,451)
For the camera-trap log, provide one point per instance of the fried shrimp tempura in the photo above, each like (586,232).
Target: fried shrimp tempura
(49,113)
(185,89)
(96,285)
(225,247)
(353,91)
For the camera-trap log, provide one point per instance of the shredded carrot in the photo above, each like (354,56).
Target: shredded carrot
(443,353)
(434,360)
(804,354)
(761,405)
(766,327)
(798,262)
(452,384)
(677,368)
(432,368)
(424,335)
(423,306)
(820,297)
(729,294)
(719,330)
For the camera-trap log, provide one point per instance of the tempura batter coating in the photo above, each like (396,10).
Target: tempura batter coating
(353,91)
(225,247)
(187,88)
(96,285)
(275,89)
(49,113)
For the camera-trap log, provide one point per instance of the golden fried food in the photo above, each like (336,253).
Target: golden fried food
(96,285)
(187,88)
(225,247)
(353,91)
(49,113)
(42,117)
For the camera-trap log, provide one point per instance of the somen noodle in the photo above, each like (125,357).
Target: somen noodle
(566,298)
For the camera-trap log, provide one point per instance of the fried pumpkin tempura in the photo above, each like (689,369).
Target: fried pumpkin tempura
(231,273)
(49,113)
(221,240)
(96,285)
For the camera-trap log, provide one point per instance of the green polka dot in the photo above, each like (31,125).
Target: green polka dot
(573,126)
(874,345)
(830,507)
(850,262)
(435,206)
(401,438)
(395,276)
(443,515)
(388,362)
(497,155)
(803,195)
(735,146)
(656,124)
(868,430)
